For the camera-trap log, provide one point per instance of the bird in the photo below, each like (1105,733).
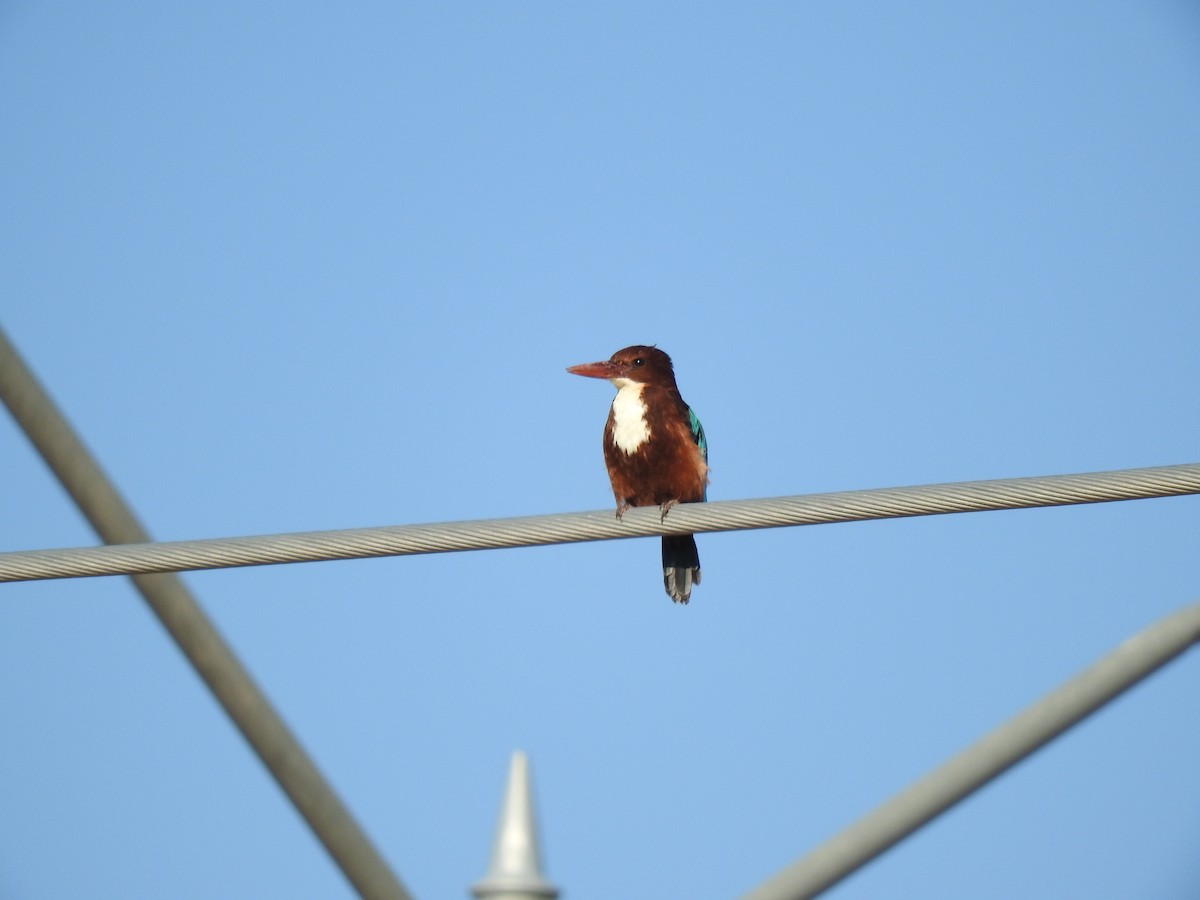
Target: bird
(655,450)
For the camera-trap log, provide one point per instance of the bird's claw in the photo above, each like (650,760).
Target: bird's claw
(664,509)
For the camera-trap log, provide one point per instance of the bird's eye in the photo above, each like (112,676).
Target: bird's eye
(639,362)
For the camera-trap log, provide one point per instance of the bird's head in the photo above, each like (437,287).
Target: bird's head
(637,364)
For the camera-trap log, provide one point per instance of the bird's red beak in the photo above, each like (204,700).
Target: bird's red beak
(606,369)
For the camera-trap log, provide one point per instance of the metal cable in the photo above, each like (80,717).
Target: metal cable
(196,636)
(729,515)
(954,780)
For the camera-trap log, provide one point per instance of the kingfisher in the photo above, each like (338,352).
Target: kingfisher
(655,450)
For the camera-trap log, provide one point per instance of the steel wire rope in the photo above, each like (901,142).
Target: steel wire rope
(528,531)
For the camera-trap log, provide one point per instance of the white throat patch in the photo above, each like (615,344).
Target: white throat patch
(630,429)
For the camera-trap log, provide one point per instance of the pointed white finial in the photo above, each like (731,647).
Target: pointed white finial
(515,872)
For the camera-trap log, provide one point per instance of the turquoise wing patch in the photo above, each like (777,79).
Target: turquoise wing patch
(698,437)
(698,433)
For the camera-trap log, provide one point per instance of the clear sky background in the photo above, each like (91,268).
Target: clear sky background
(294,266)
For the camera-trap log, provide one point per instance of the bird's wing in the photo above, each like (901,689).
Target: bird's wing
(698,433)
(701,441)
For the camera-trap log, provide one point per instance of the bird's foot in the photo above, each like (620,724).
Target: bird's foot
(664,509)
(621,507)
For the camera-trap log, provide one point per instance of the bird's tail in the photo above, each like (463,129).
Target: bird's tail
(681,566)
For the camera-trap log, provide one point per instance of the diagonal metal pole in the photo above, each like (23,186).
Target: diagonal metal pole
(1028,731)
(214,661)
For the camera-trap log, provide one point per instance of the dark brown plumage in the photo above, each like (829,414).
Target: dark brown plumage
(654,449)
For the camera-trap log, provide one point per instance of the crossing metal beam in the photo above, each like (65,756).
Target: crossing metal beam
(954,780)
(214,661)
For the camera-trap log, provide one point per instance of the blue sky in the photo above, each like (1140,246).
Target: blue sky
(304,266)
